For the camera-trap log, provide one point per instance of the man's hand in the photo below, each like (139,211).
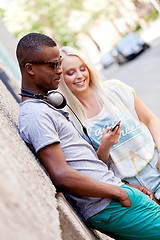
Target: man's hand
(124,198)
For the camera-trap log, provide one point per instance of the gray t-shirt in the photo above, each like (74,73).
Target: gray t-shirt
(40,124)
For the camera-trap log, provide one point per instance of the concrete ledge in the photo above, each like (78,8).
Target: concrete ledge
(72,226)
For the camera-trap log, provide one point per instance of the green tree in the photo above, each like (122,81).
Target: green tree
(54,18)
(63,20)
(50,17)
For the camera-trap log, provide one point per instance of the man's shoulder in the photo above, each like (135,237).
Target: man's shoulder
(33,103)
(34,106)
(36,111)
(33,111)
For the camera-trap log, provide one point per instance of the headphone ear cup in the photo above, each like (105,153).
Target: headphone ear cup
(56,99)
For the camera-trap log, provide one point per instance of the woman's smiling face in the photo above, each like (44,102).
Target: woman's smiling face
(76,74)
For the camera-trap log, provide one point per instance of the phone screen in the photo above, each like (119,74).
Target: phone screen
(117,124)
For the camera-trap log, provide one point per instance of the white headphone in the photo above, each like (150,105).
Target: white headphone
(55,98)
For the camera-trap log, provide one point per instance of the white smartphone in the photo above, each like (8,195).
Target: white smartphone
(114,126)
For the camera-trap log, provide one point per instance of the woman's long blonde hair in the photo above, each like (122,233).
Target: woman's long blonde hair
(102,95)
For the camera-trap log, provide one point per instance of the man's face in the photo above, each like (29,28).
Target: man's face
(47,77)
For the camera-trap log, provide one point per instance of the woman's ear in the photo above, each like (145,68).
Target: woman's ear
(30,68)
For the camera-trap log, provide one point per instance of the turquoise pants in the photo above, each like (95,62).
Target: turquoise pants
(140,221)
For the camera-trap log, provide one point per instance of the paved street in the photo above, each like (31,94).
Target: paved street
(143,74)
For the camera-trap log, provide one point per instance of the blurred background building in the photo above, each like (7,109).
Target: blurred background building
(9,71)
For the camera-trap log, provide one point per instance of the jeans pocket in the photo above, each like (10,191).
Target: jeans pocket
(100,219)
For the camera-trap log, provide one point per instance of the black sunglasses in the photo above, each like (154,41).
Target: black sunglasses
(55,64)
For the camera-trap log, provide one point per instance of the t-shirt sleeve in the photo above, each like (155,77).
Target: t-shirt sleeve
(43,131)
(122,91)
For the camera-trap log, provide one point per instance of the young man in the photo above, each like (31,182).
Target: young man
(101,198)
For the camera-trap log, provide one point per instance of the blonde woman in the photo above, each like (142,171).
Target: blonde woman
(136,157)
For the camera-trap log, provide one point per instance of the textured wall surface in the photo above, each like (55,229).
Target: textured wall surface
(28,207)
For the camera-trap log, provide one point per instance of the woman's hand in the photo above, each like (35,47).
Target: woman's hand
(109,139)
(158,162)
(144,190)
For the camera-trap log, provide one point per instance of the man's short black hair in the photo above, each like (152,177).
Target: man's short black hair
(30,44)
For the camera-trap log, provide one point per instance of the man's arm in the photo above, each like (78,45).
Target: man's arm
(72,181)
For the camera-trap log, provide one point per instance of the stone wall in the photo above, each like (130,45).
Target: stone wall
(28,206)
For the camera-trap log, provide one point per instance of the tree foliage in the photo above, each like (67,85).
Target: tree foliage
(53,17)
(61,19)
(50,17)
